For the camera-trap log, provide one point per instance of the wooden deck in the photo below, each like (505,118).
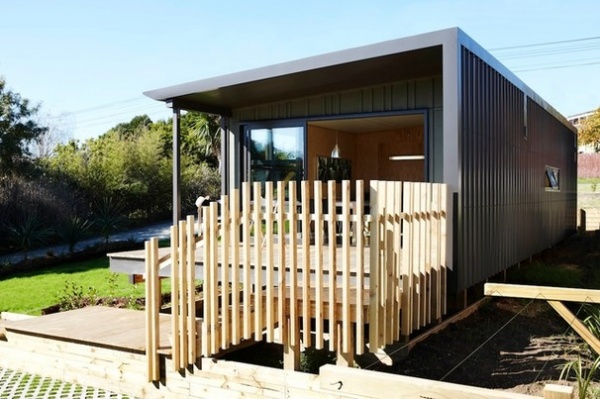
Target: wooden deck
(132,262)
(121,329)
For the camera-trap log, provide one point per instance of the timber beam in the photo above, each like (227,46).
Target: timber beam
(541,292)
(554,296)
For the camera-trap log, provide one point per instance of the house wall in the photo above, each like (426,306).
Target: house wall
(369,152)
(505,214)
(418,95)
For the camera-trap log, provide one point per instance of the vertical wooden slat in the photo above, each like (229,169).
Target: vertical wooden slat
(360,265)
(318,231)
(247,288)
(191,290)
(281,279)
(182,261)
(416,255)
(390,308)
(175,303)
(293,324)
(213,232)
(424,294)
(154,294)
(234,233)
(346,322)
(397,259)
(207,328)
(306,299)
(374,283)
(407,255)
(382,262)
(436,308)
(444,201)
(332,239)
(150,358)
(257,219)
(225,287)
(269,280)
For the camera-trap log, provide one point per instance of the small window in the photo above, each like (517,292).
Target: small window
(552,178)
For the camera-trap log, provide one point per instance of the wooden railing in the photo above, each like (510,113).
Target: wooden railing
(272,257)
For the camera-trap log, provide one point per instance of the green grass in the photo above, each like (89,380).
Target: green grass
(546,274)
(31,292)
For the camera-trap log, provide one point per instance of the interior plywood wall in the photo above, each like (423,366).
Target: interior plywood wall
(369,152)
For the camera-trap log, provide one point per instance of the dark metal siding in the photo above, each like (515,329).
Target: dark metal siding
(505,214)
(399,96)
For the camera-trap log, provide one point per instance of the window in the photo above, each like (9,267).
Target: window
(276,154)
(552,178)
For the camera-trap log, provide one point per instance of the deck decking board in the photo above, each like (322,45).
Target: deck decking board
(103,326)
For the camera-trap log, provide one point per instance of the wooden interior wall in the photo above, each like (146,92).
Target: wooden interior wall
(370,152)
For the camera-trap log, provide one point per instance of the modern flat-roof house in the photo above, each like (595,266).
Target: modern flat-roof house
(435,107)
(361,189)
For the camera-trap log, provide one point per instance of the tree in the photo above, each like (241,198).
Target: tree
(203,135)
(56,133)
(18,128)
(589,133)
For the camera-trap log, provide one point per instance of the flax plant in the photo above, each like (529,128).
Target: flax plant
(583,375)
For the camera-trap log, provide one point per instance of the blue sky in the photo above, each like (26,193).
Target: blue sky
(88,62)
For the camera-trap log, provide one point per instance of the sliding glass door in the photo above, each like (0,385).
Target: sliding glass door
(275,153)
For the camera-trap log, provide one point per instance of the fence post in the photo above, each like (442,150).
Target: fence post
(553,391)
(152,308)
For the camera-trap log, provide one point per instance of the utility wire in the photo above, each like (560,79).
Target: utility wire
(546,43)
(486,341)
(564,335)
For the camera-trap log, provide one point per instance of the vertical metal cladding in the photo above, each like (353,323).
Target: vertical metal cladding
(505,211)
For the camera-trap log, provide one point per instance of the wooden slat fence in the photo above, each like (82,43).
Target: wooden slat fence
(275,256)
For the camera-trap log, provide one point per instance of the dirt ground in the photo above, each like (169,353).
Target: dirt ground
(512,344)
(508,344)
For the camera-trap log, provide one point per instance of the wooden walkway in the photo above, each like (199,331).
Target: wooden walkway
(122,329)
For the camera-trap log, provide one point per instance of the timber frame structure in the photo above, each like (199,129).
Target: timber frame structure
(555,296)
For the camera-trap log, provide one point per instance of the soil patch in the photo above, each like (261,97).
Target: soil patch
(517,345)
(509,344)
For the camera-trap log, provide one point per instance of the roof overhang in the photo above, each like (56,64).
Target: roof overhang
(396,60)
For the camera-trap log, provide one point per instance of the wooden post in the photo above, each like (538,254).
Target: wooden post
(234,213)
(191,291)
(152,305)
(291,346)
(318,226)
(306,300)
(281,279)
(360,267)
(175,304)
(374,272)
(247,316)
(553,391)
(258,218)
(331,225)
(346,339)
(345,351)
(269,259)
(294,329)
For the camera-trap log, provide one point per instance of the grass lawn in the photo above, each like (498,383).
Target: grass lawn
(31,292)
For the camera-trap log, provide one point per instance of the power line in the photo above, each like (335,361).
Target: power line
(546,43)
